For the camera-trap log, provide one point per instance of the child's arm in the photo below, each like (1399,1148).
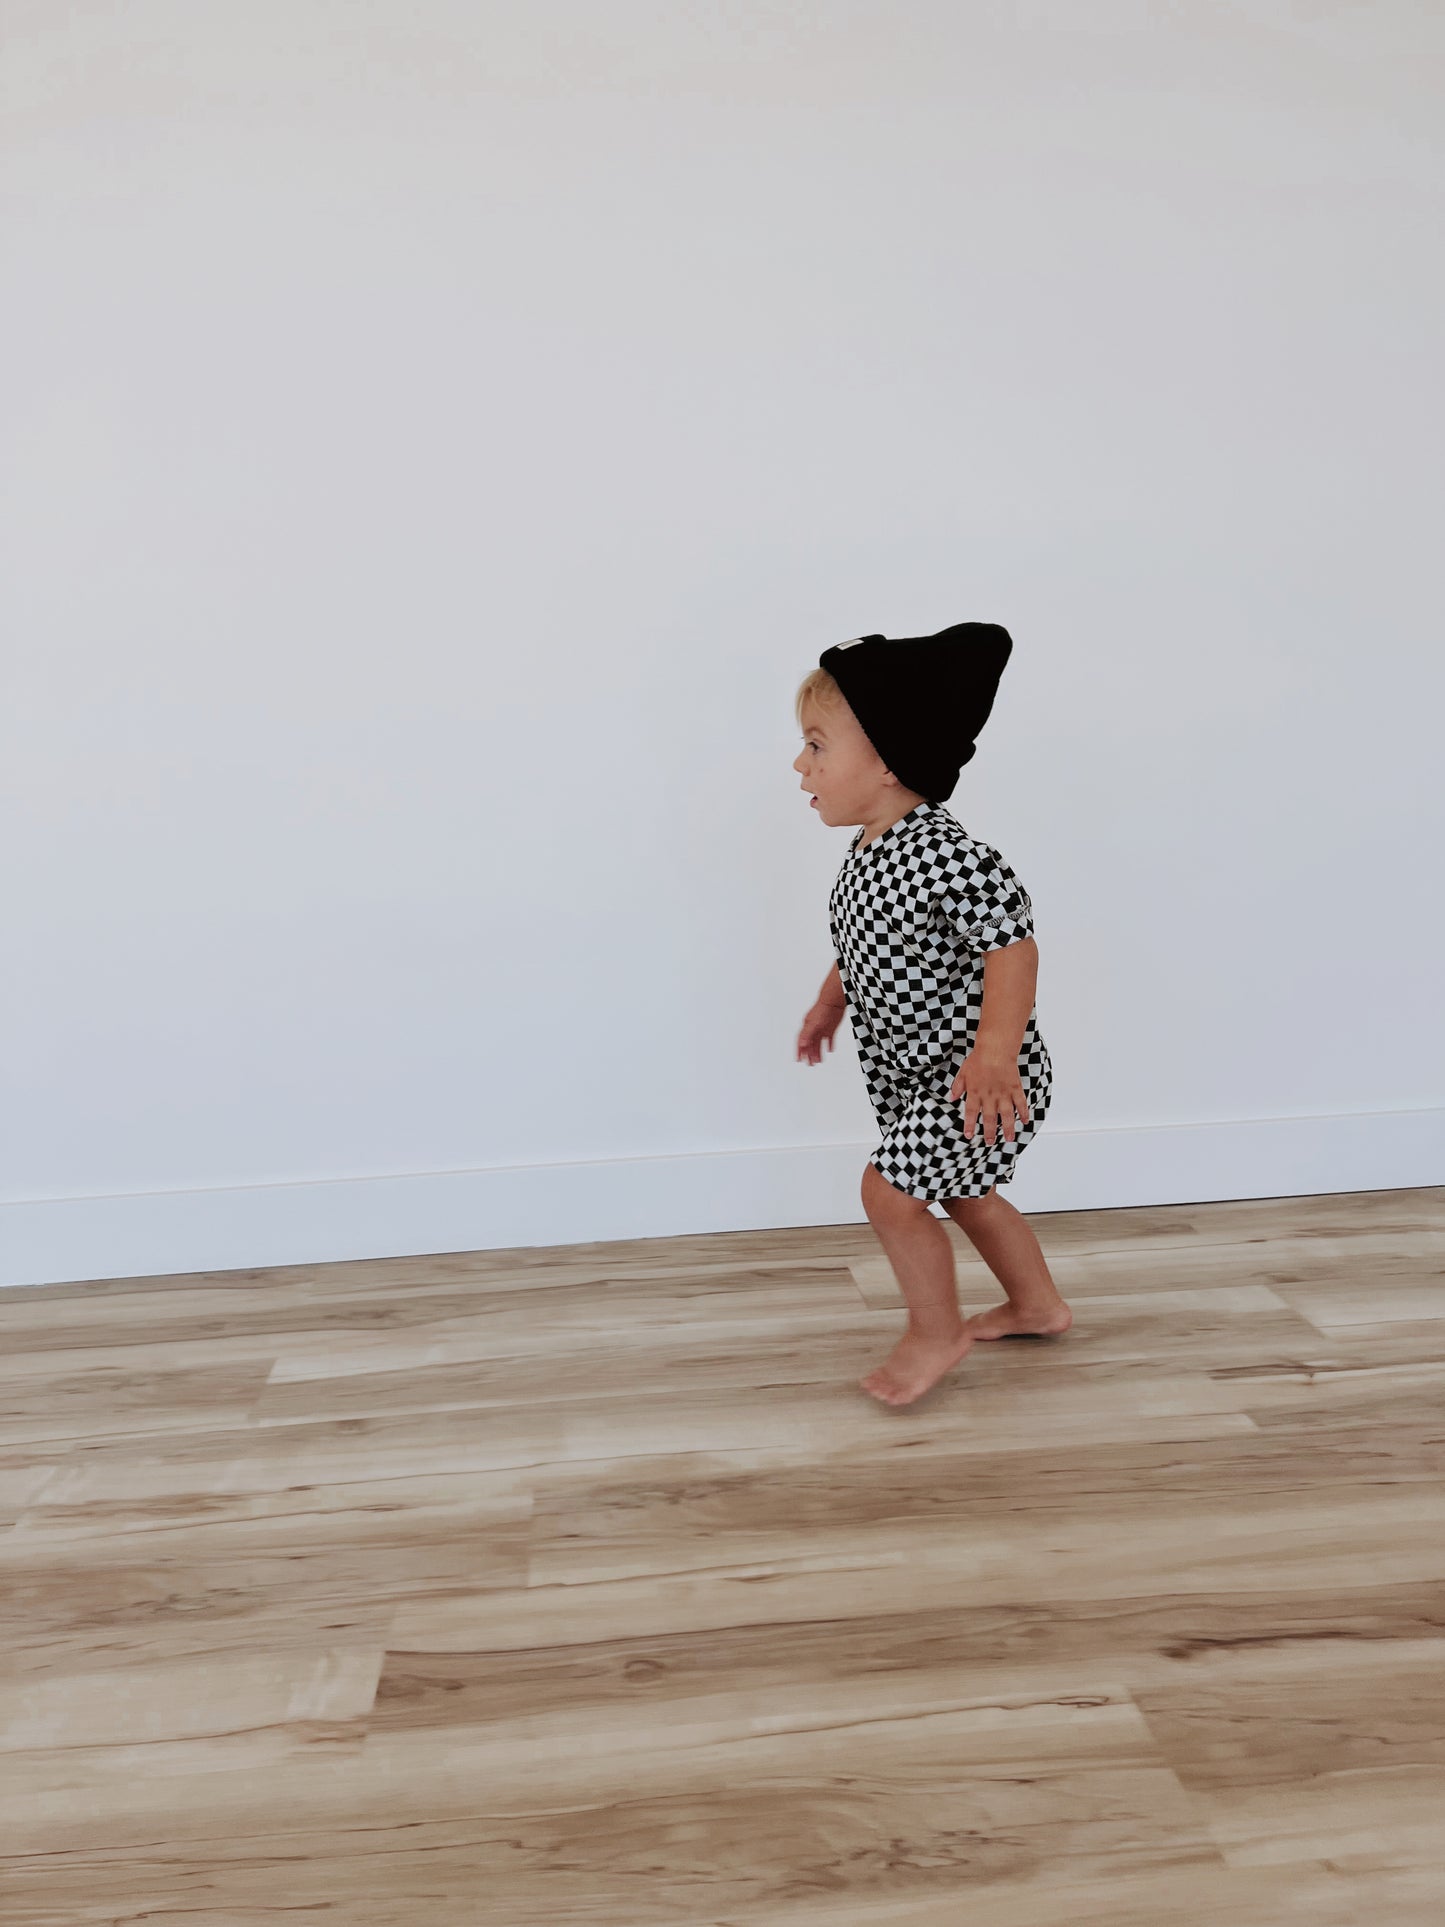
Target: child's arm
(832,991)
(1010,986)
(988,1079)
(823,1019)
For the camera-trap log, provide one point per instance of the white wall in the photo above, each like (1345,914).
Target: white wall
(441,436)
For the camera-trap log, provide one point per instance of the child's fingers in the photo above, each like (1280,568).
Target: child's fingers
(995,1114)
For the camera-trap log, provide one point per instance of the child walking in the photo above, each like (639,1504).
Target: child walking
(937,967)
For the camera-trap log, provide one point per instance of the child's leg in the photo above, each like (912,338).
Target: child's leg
(921,1255)
(1003,1239)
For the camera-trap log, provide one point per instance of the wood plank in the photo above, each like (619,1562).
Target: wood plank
(587,1580)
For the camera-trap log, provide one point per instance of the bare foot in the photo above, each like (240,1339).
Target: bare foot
(915,1365)
(1005,1322)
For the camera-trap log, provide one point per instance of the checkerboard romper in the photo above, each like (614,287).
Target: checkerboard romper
(913,915)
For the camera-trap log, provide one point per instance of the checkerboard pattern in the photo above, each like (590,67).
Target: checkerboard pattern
(912,916)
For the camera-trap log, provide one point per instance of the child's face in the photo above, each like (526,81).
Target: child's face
(840,767)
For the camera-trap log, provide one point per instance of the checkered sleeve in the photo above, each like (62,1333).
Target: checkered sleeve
(982,902)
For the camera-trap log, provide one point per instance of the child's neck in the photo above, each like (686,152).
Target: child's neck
(873,829)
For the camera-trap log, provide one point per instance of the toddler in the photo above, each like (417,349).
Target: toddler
(937,967)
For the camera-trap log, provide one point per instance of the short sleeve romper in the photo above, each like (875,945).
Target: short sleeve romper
(912,916)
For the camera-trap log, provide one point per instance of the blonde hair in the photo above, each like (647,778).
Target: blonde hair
(818,690)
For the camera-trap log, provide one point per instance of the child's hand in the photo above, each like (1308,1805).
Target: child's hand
(818,1028)
(992,1091)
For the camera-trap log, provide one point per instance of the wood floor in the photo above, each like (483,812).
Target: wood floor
(582,1587)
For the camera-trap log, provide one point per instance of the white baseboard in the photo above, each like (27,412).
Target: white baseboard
(144,1234)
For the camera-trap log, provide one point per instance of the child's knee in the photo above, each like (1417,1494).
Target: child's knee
(975,1210)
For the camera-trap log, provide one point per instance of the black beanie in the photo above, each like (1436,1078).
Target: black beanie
(921,700)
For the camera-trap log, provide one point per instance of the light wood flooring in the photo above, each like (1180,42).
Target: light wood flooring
(583,1587)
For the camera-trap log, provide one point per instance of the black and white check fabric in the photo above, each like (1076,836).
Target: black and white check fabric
(913,915)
